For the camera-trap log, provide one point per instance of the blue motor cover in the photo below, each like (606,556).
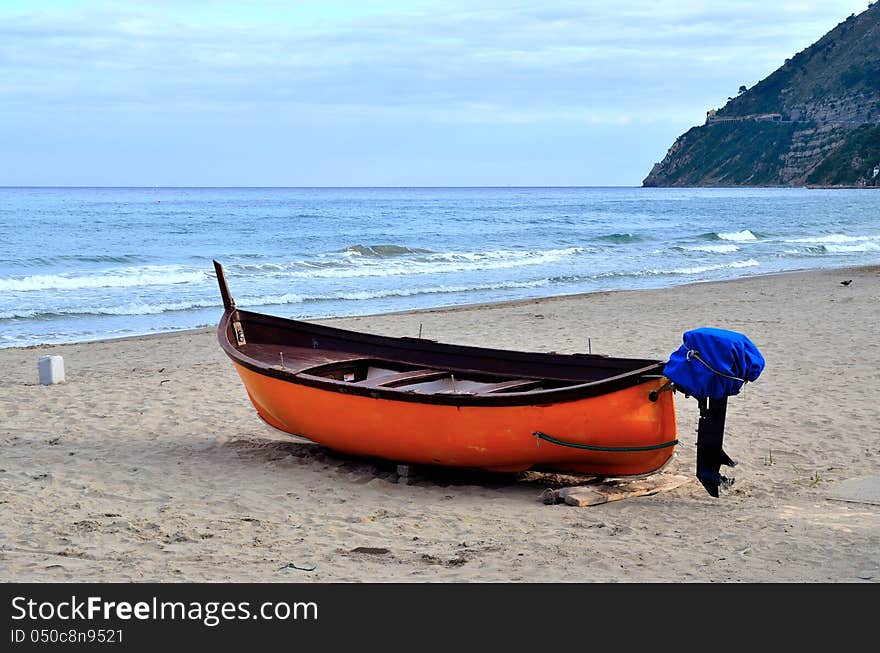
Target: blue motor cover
(703,366)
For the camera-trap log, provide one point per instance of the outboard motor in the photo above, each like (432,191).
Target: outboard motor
(712,365)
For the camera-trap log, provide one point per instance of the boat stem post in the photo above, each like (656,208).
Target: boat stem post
(228,301)
(710,439)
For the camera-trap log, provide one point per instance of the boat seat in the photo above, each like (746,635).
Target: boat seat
(402,378)
(507,386)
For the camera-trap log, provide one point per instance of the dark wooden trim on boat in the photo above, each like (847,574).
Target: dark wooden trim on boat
(535,397)
(228,302)
(319,333)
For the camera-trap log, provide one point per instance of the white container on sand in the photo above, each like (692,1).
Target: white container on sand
(51,370)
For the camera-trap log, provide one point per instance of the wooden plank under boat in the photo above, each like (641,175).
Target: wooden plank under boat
(422,402)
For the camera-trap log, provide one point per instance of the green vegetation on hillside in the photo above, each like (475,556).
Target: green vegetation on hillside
(846,60)
(815,121)
(851,163)
(732,153)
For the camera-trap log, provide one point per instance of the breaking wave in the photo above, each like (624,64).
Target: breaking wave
(74,258)
(124,309)
(270,300)
(699,269)
(621,239)
(750,263)
(833,238)
(120,278)
(743,236)
(344,265)
(382,251)
(434,263)
(712,249)
(845,249)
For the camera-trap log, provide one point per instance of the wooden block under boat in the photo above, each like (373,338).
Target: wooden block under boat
(594,495)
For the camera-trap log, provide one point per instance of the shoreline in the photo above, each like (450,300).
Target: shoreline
(463,307)
(150,464)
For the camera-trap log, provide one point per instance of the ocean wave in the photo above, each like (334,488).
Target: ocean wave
(836,249)
(712,268)
(502,254)
(249,268)
(743,236)
(345,265)
(433,290)
(699,269)
(382,251)
(833,238)
(445,262)
(119,278)
(712,249)
(42,261)
(361,295)
(124,309)
(268,300)
(849,249)
(621,238)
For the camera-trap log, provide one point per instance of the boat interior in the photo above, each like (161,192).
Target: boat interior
(368,372)
(330,355)
(412,365)
(376,373)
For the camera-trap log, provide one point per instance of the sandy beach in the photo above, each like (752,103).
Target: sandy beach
(149,463)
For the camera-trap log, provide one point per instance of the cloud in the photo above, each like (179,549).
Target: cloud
(379,93)
(557,60)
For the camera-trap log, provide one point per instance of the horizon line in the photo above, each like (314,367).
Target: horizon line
(19,186)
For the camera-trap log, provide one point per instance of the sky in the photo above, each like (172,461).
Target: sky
(374,93)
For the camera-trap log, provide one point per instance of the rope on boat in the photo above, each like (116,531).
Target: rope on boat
(693,353)
(590,447)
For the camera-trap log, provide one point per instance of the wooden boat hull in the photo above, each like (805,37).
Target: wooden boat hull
(418,401)
(620,433)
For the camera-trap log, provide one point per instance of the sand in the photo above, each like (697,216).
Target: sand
(149,463)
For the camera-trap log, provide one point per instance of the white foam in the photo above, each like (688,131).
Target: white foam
(121,278)
(503,254)
(361,295)
(714,249)
(848,249)
(750,263)
(833,238)
(691,270)
(123,309)
(440,263)
(431,290)
(270,300)
(739,236)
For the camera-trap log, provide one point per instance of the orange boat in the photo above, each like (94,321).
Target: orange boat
(418,401)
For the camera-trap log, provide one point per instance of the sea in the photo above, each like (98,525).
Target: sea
(79,264)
